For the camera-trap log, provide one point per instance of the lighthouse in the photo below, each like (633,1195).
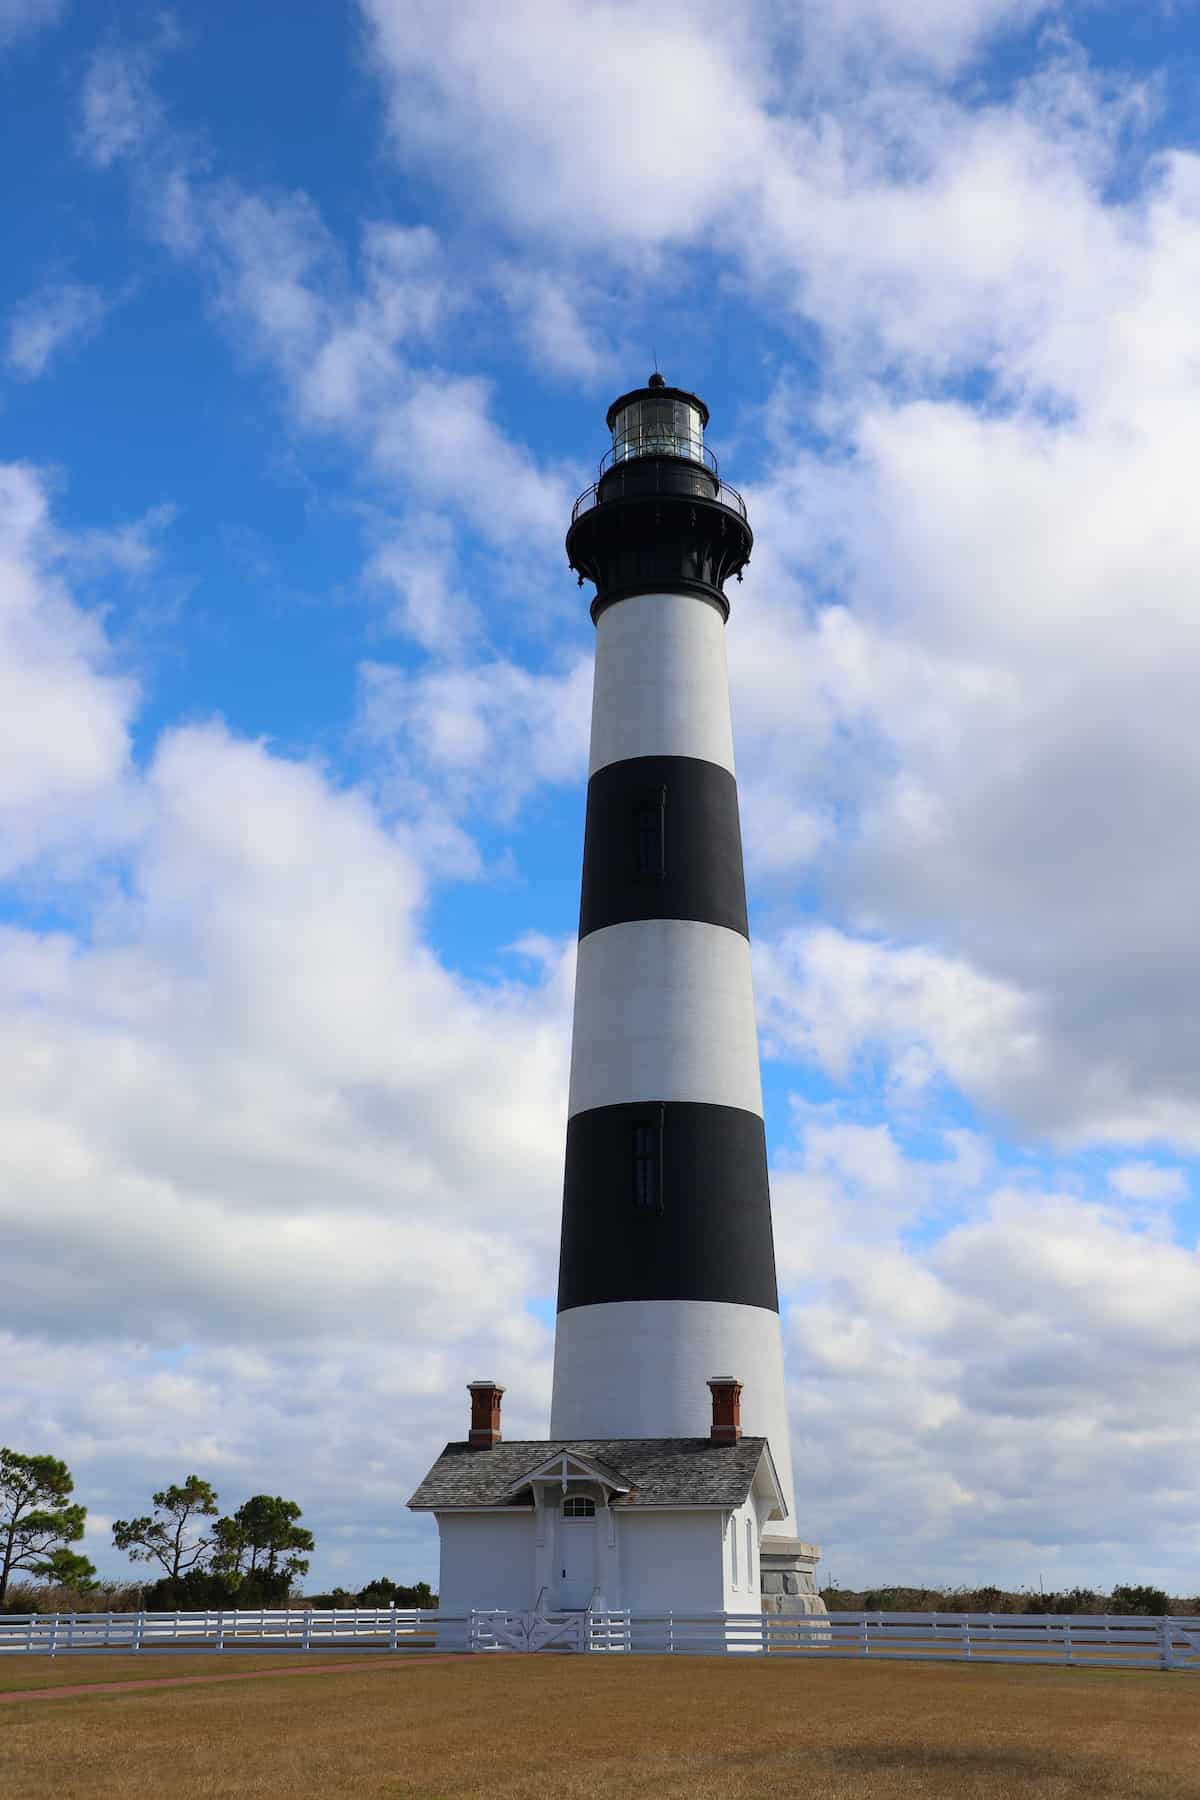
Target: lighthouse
(668,1349)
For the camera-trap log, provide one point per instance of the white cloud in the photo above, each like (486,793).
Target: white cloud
(549,311)
(346,353)
(133,550)
(481,734)
(419,567)
(1149,1181)
(49,322)
(828,997)
(119,111)
(20,18)
(65,712)
(987,1406)
(351,347)
(962,752)
(840,36)
(251,1114)
(602,122)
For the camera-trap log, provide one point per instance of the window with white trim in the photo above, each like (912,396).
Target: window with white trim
(578,1506)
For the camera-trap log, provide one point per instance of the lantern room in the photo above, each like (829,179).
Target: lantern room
(658,420)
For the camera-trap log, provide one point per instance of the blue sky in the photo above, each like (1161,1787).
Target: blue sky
(308,324)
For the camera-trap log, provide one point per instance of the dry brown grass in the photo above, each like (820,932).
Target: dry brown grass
(89,1669)
(524,1727)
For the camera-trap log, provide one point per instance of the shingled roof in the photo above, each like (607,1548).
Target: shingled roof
(657,1471)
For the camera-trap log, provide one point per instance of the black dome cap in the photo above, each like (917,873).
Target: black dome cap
(656,389)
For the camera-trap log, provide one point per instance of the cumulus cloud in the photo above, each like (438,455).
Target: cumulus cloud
(253,1129)
(842,35)
(256,1117)
(551,313)
(482,734)
(958,748)
(50,322)
(985,1399)
(1148,1181)
(65,707)
(267,970)
(605,122)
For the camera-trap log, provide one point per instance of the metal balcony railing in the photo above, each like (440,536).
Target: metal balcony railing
(615,488)
(687,449)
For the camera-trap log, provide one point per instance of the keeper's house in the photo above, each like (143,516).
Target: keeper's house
(652,1524)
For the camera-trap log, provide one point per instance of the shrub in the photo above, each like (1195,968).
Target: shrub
(1149,1602)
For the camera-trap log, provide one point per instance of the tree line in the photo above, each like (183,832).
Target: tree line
(251,1557)
(254,1556)
(1127,1599)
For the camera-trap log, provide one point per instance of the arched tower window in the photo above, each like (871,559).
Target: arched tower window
(578,1506)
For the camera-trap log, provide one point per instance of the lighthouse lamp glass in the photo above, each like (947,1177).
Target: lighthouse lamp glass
(658,428)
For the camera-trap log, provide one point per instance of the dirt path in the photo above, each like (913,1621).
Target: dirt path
(175,1681)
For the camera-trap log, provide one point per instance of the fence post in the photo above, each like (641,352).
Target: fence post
(221,1630)
(671,1633)
(54,1635)
(966,1638)
(1166,1635)
(308,1629)
(396,1621)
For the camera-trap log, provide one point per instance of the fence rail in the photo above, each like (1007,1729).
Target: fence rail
(1090,1640)
(385,1628)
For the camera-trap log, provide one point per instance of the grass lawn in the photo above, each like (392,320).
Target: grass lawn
(92,1667)
(523,1727)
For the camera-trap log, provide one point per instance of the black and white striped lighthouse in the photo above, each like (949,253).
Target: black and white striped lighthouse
(667,1267)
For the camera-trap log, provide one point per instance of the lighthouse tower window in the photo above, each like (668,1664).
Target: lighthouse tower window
(652,834)
(647,1165)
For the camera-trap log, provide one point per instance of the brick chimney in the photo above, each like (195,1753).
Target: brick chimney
(485,1414)
(727,1409)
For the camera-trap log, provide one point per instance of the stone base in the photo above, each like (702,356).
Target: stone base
(789,1583)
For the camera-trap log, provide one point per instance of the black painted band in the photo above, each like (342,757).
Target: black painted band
(701,1231)
(701,876)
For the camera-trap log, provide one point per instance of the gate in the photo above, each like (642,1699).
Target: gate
(528,1631)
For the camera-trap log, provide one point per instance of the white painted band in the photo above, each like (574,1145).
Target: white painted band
(664,1010)
(661,684)
(640,1368)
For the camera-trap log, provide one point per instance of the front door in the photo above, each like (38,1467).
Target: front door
(577,1563)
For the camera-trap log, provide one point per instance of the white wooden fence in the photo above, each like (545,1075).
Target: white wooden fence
(1085,1641)
(385,1628)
